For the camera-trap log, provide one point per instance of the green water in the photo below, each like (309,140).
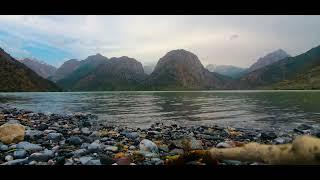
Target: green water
(249,109)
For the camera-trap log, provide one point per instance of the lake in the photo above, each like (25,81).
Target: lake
(248,109)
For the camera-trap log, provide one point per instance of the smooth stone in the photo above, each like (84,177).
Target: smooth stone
(54,136)
(279,140)
(39,157)
(11,133)
(19,154)
(74,140)
(123,161)
(148,146)
(17,162)
(94,162)
(111,148)
(29,146)
(132,135)
(79,152)
(94,147)
(8,158)
(33,163)
(4,148)
(132,148)
(50,162)
(84,145)
(85,159)
(85,131)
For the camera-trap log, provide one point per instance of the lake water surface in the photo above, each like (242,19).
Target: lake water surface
(249,109)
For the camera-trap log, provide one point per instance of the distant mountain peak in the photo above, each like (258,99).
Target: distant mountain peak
(40,67)
(268,59)
(181,69)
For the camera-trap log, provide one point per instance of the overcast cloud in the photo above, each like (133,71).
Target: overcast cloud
(230,40)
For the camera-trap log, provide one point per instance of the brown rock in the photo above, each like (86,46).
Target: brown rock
(11,133)
(124,161)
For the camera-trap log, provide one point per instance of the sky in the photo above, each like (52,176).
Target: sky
(215,39)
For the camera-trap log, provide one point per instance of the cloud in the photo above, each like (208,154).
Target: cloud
(147,38)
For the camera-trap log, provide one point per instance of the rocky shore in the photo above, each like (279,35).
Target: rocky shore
(29,138)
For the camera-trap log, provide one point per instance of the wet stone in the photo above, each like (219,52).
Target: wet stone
(93,162)
(20,154)
(17,162)
(55,136)
(94,147)
(85,131)
(8,158)
(85,159)
(4,147)
(148,146)
(74,140)
(28,146)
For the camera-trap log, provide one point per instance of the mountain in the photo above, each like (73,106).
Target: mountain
(15,76)
(307,80)
(148,69)
(98,73)
(42,69)
(268,59)
(226,70)
(182,70)
(65,69)
(287,73)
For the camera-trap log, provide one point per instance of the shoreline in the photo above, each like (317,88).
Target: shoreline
(61,139)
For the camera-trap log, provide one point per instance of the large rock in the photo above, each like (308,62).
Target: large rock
(11,133)
(148,146)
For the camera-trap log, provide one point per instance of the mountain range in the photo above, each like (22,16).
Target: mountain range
(287,73)
(176,70)
(15,76)
(226,70)
(101,73)
(42,69)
